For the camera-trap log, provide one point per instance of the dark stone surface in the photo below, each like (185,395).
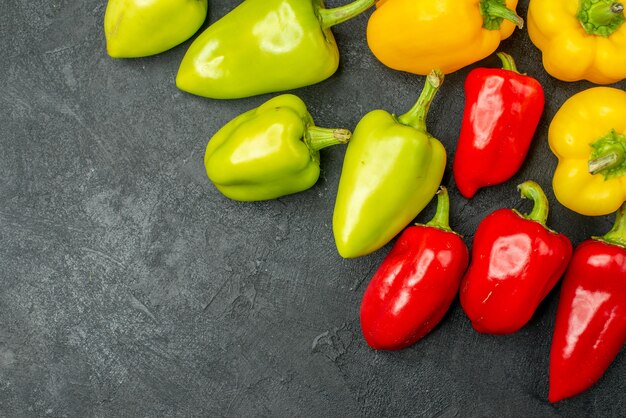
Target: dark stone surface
(130,287)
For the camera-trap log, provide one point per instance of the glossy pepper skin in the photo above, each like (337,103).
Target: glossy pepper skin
(502,111)
(590,327)
(270,151)
(415,284)
(588,135)
(138,28)
(516,261)
(392,169)
(580,39)
(265,46)
(419,35)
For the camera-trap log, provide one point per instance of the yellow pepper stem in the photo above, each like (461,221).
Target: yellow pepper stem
(617,234)
(608,155)
(601,17)
(416,116)
(337,15)
(532,190)
(493,13)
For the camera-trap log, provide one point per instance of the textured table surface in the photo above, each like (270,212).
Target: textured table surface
(130,287)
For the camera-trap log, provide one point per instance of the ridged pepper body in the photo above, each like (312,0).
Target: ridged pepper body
(502,111)
(588,135)
(414,286)
(391,171)
(590,326)
(580,39)
(268,152)
(264,46)
(516,261)
(138,28)
(419,35)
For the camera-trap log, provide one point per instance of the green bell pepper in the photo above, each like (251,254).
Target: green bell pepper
(138,28)
(270,151)
(392,169)
(265,46)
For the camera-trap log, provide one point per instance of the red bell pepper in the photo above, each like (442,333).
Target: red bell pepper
(502,111)
(516,261)
(590,327)
(415,284)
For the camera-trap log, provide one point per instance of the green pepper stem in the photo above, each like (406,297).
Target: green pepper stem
(337,15)
(601,17)
(606,162)
(416,116)
(531,190)
(320,138)
(508,63)
(494,11)
(441,220)
(617,234)
(608,155)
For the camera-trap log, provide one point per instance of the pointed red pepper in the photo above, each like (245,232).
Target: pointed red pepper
(415,284)
(516,261)
(590,327)
(502,111)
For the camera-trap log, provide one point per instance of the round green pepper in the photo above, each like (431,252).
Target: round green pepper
(270,151)
(392,169)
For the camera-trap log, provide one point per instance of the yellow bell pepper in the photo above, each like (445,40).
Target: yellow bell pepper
(588,135)
(419,35)
(580,39)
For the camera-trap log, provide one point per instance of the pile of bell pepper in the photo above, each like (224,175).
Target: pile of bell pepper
(393,166)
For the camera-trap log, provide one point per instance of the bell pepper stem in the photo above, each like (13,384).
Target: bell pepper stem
(337,15)
(608,155)
(320,138)
(441,220)
(531,190)
(493,11)
(604,162)
(416,116)
(508,63)
(601,17)
(617,234)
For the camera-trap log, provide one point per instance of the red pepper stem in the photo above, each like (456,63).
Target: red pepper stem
(319,138)
(416,116)
(508,63)
(441,220)
(337,15)
(617,234)
(532,190)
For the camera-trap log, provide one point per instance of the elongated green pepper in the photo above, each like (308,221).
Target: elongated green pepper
(138,28)
(391,170)
(265,46)
(269,151)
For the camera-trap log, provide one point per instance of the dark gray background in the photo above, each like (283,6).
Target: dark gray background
(130,287)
